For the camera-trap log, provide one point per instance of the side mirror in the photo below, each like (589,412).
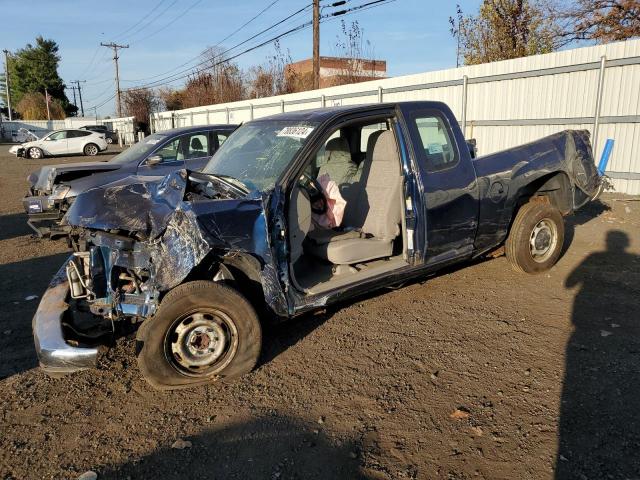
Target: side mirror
(154,160)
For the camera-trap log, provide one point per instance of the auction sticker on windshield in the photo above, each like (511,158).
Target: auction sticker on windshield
(295,132)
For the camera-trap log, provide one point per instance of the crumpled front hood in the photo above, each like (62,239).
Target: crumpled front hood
(45,178)
(134,204)
(177,233)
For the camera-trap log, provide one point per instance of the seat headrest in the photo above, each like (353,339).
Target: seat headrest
(337,151)
(372,141)
(196,144)
(385,149)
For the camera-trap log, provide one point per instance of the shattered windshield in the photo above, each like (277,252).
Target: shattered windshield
(140,150)
(258,153)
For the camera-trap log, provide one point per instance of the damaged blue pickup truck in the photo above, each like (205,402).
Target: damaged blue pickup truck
(295,212)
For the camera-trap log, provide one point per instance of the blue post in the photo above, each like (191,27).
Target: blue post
(606,153)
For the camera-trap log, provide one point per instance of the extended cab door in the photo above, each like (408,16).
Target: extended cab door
(450,190)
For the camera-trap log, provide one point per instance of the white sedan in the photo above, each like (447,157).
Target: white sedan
(62,142)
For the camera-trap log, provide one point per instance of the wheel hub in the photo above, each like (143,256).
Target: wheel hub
(201,341)
(543,240)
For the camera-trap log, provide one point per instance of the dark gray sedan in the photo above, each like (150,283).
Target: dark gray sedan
(54,187)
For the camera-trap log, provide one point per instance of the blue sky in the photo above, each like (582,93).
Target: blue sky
(411,35)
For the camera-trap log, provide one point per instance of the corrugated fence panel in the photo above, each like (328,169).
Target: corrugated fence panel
(507,103)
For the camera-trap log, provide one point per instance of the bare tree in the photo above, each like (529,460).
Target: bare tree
(171,99)
(360,64)
(275,77)
(218,81)
(140,103)
(600,20)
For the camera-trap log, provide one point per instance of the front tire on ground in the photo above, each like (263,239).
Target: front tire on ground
(35,152)
(536,238)
(203,331)
(91,149)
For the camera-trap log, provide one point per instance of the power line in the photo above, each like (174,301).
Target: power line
(360,7)
(93,57)
(217,44)
(324,18)
(250,49)
(95,53)
(248,22)
(150,22)
(144,17)
(208,60)
(113,95)
(168,24)
(99,97)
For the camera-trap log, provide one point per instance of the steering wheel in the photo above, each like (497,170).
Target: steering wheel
(313,188)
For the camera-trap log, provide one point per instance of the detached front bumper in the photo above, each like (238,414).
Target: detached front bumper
(43,218)
(17,150)
(56,356)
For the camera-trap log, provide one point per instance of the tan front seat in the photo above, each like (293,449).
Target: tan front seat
(376,212)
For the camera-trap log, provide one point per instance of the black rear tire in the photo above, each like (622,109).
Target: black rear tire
(536,238)
(202,332)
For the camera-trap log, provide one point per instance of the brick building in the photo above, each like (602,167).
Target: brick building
(338,71)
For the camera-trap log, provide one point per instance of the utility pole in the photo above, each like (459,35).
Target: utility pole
(73,89)
(77,82)
(316,44)
(46,98)
(115,47)
(6,80)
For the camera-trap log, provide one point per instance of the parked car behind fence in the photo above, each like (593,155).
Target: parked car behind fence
(109,135)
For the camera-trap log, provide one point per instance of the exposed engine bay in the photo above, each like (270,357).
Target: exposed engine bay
(119,275)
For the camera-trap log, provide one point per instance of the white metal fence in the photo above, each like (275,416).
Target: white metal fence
(501,104)
(9,131)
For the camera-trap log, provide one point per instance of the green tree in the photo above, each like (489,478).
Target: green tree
(34,68)
(505,29)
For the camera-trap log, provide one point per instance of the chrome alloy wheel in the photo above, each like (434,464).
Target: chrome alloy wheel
(91,150)
(543,240)
(201,342)
(35,152)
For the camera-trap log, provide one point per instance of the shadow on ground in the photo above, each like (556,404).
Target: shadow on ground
(587,213)
(18,281)
(268,447)
(599,425)
(14,225)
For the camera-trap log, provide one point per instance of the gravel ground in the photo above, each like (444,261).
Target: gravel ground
(479,372)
